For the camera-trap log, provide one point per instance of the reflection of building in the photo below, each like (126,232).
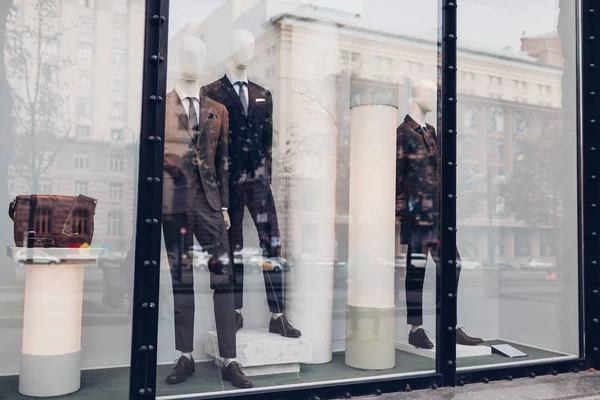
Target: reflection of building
(505,96)
(96,59)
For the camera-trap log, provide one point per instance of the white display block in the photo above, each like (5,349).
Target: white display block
(50,353)
(371,247)
(461,350)
(262,353)
(311,136)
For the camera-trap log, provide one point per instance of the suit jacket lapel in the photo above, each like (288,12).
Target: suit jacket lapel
(251,99)
(231,92)
(177,105)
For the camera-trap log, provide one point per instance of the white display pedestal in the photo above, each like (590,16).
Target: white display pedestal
(370,311)
(50,354)
(262,353)
(461,351)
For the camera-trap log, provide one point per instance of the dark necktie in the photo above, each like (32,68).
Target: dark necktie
(192,115)
(242,94)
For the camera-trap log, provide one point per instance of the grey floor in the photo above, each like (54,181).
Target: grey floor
(113,383)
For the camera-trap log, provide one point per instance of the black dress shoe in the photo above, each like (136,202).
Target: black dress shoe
(419,339)
(233,373)
(282,327)
(182,369)
(239,321)
(466,340)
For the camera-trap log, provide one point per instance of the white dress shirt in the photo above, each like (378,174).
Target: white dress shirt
(237,87)
(184,97)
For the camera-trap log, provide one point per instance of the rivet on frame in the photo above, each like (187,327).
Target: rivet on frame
(592,65)
(377,392)
(593,149)
(450,163)
(532,375)
(142,391)
(486,380)
(595,320)
(595,349)
(160,99)
(154,221)
(509,378)
(593,176)
(144,305)
(594,233)
(434,385)
(450,363)
(347,395)
(592,93)
(153,98)
(592,38)
(144,348)
(148,221)
(451,132)
(595,291)
(450,295)
(147,263)
(450,229)
(593,121)
(594,262)
(450,196)
(591,11)
(450,328)
(593,205)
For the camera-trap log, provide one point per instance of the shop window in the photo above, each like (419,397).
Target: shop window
(82,131)
(469,118)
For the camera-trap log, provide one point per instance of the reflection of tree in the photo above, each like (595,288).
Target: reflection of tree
(531,192)
(41,109)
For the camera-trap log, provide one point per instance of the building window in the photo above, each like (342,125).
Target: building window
(43,220)
(495,80)
(116,162)
(120,32)
(355,56)
(51,48)
(522,242)
(415,66)
(521,121)
(45,187)
(84,79)
(82,161)
(496,120)
(469,118)
(81,222)
(345,55)
(118,83)
(520,85)
(469,148)
(116,191)
(83,107)
(270,72)
(116,134)
(116,110)
(120,6)
(86,25)
(115,223)
(84,52)
(82,131)
(495,150)
(377,61)
(87,3)
(467,76)
(118,56)
(81,187)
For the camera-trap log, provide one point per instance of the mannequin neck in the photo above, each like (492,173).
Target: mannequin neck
(189,87)
(236,74)
(417,114)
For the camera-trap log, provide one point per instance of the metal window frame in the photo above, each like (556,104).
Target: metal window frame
(148,222)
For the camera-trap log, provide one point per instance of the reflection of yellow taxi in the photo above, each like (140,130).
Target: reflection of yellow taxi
(273,264)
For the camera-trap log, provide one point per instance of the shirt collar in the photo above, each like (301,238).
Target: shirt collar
(183,95)
(413,123)
(233,83)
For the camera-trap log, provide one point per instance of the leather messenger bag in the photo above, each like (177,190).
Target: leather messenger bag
(52,221)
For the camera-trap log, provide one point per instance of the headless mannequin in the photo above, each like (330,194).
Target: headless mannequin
(242,51)
(192,56)
(423,101)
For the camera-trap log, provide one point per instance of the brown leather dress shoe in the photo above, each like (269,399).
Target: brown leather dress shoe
(182,369)
(239,321)
(233,373)
(419,339)
(282,327)
(466,340)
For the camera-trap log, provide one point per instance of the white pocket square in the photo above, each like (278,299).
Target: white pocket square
(260,100)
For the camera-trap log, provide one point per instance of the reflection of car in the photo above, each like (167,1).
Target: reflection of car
(275,264)
(39,257)
(248,253)
(468,264)
(537,264)
(200,259)
(417,260)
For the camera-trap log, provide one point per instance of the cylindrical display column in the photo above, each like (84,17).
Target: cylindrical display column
(370,312)
(311,158)
(50,357)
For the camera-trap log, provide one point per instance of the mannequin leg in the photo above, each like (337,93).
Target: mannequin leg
(262,209)
(415,278)
(237,204)
(182,280)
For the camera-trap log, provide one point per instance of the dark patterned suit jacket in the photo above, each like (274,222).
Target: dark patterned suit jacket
(417,174)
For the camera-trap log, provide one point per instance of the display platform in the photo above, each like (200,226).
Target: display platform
(461,351)
(51,349)
(263,353)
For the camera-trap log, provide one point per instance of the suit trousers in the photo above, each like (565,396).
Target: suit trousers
(258,198)
(209,229)
(420,239)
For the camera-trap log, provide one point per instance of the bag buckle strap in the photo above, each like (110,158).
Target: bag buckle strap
(64,232)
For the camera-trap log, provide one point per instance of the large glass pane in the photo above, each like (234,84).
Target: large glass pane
(70,95)
(300,138)
(517,179)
